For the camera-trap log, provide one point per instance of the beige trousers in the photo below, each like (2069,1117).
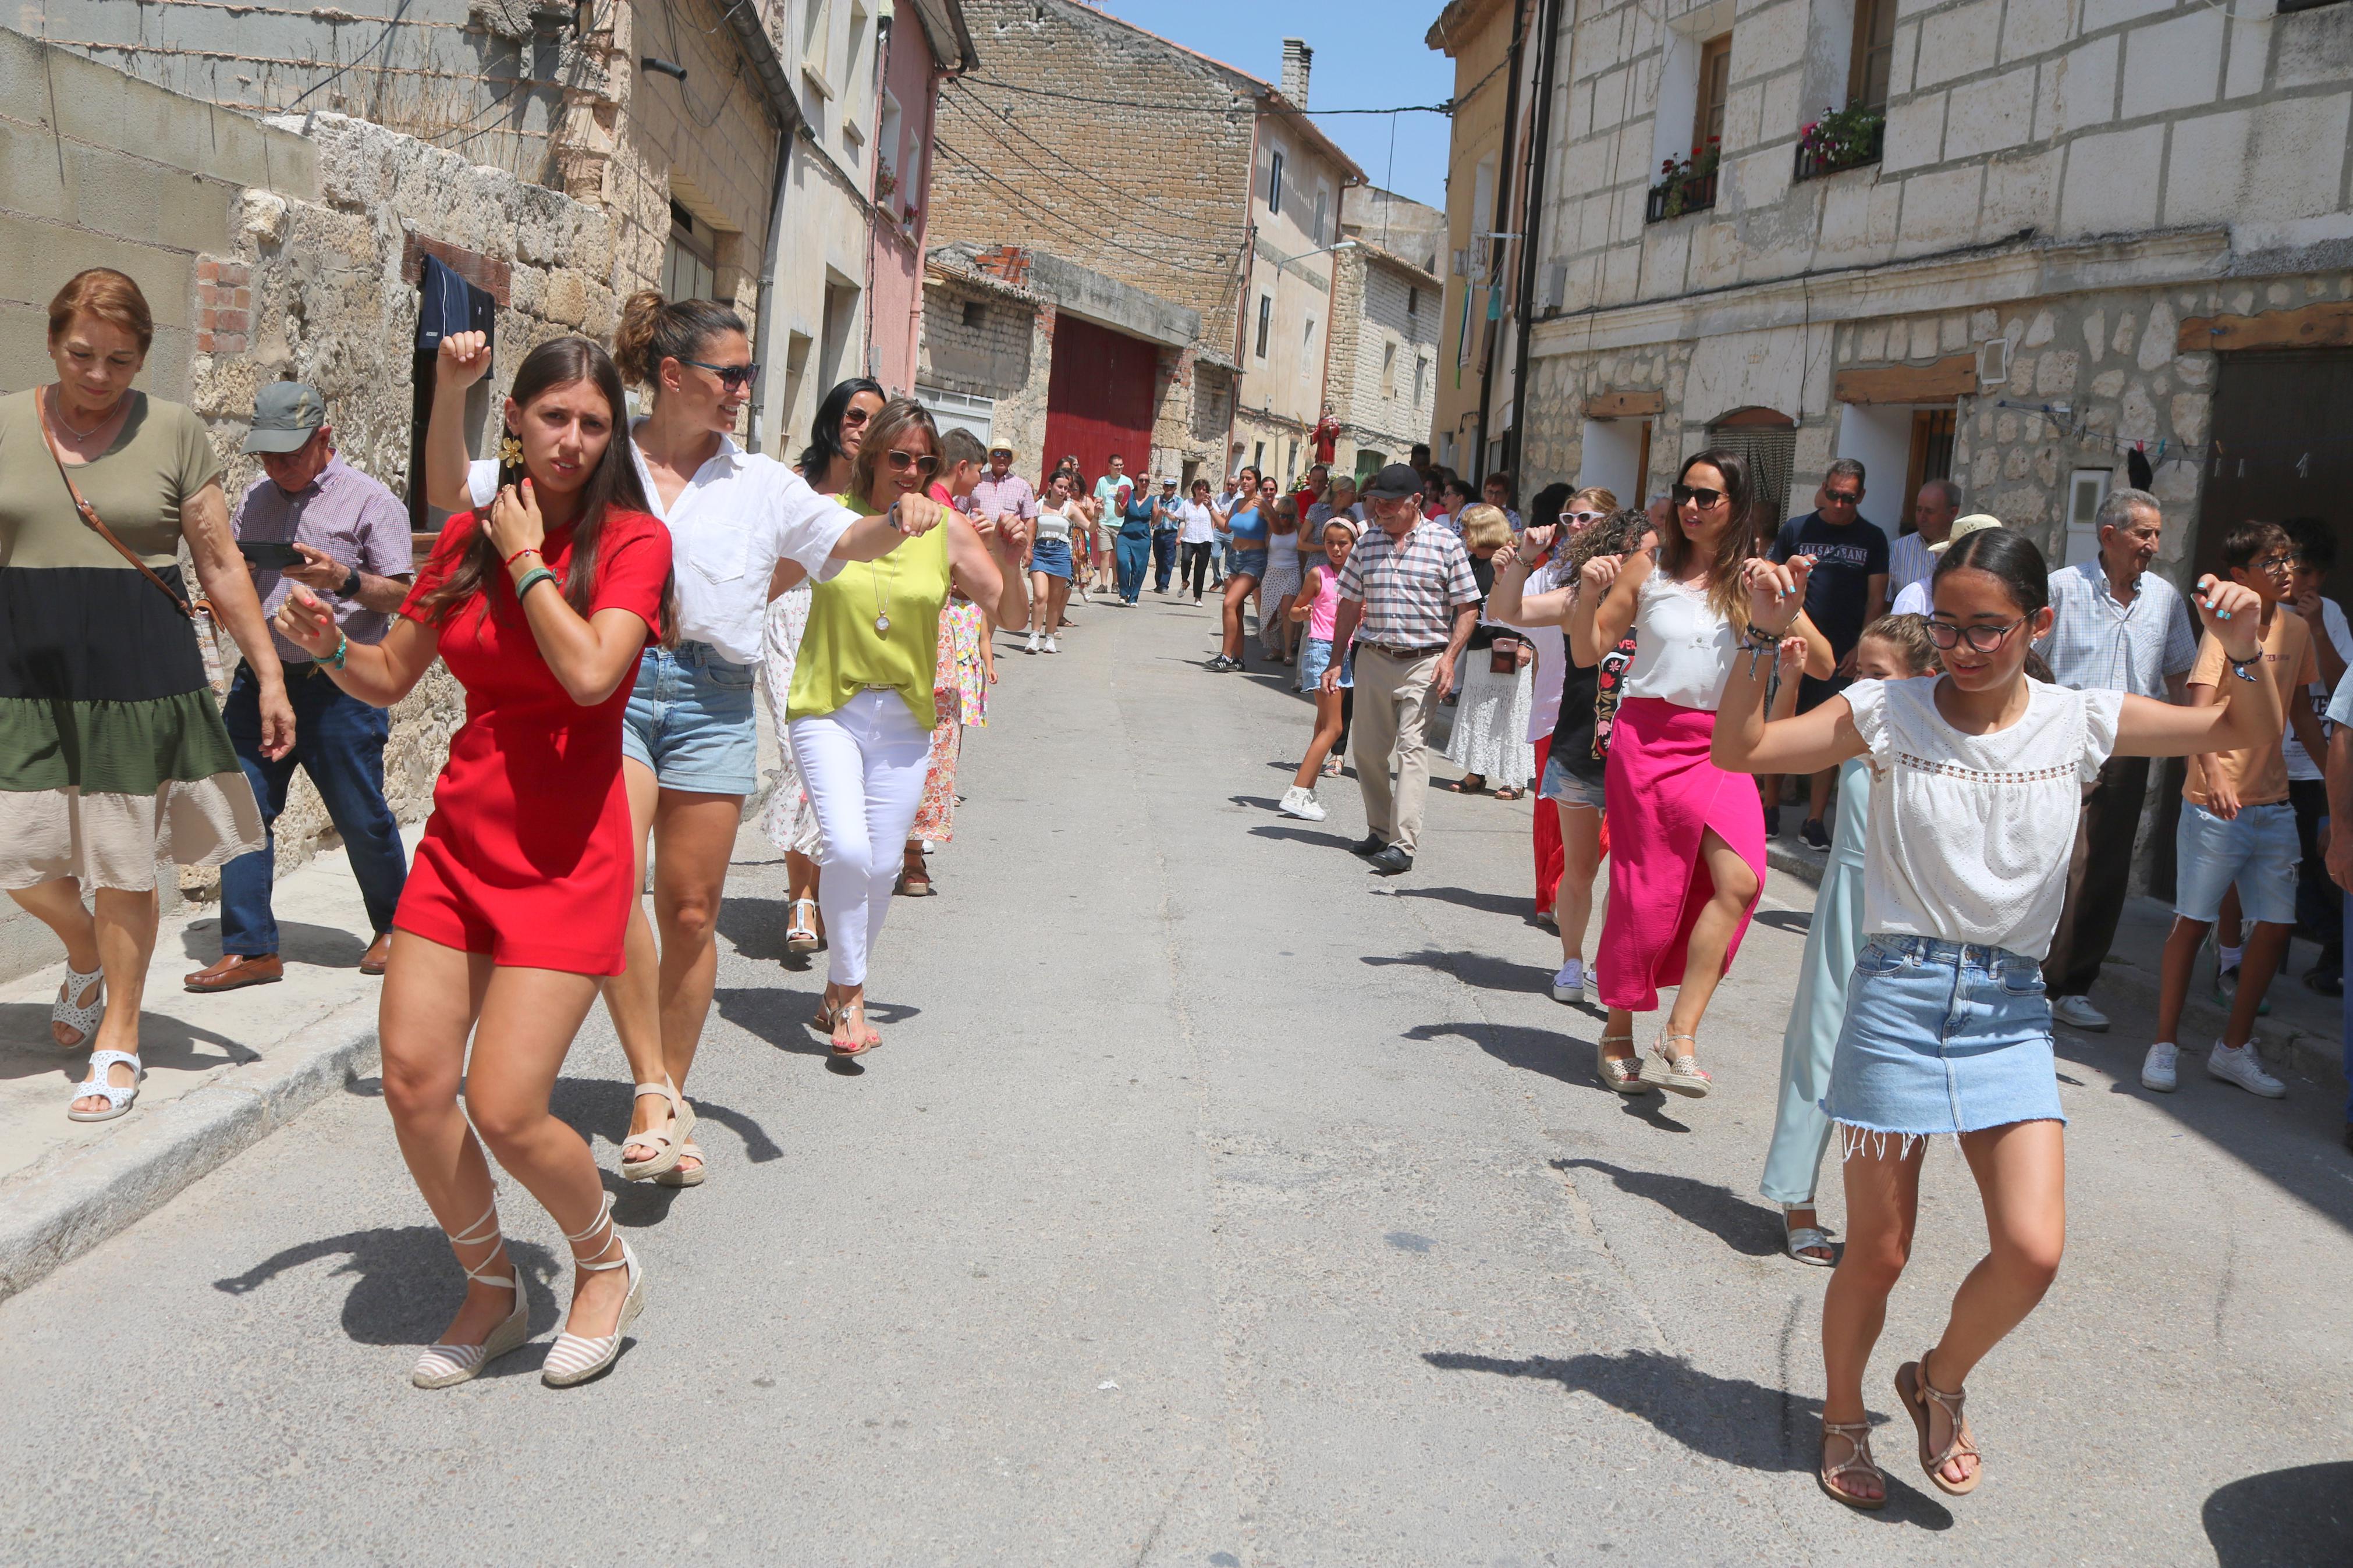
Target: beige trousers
(1393,699)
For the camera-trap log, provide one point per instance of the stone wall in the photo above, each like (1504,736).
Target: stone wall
(1385,340)
(987,339)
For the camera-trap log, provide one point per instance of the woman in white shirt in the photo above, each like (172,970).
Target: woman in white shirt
(689,743)
(1978,779)
(1686,839)
(1061,527)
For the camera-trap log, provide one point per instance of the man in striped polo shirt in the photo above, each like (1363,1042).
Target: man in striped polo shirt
(1407,598)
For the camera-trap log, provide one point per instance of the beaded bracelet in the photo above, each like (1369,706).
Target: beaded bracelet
(2239,666)
(531,579)
(526,550)
(342,647)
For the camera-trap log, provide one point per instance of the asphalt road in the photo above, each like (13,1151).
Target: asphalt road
(1211,1202)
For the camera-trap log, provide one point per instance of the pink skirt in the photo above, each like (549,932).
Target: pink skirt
(1661,796)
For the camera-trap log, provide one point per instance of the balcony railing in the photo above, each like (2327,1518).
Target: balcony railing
(1834,144)
(1679,194)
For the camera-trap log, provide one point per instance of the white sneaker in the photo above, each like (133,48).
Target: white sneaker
(1053,645)
(2243,1068)
(2157,1071)
(2077,1013)
(1569,984)
(1031,646)
(1303,803)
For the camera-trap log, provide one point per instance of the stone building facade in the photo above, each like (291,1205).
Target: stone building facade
(269,252)
(2037,264)
(1385,316)
(1478,36)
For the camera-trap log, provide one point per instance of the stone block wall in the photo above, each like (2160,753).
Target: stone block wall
(987,339)
(1383,309)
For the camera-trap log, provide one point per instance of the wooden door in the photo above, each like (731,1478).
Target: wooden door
(1098,399)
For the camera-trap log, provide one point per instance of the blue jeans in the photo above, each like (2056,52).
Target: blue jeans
(339,741)
(1163,558)
(1133,548)
(689,722)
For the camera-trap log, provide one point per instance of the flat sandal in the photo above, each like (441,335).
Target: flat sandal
(1856,1434)
(1911,1385)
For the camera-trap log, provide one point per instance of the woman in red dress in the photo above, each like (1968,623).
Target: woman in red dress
(522,885)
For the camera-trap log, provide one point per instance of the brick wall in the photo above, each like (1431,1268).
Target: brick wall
(1383,309)
(988,341)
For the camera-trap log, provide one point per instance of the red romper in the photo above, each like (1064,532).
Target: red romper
(527,855)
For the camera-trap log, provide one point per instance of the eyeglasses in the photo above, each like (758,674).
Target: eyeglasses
(901,462)
(734,377)
(1980,639)
(2283,563)
(852,417)
(1694,495)
(1581,519)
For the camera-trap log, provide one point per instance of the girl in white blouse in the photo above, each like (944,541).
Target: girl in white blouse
(1978,783)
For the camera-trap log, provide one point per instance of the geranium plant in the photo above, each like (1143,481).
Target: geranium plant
(1841,139)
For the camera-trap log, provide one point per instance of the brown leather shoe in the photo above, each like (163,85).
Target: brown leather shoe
(378,954)
(236,971)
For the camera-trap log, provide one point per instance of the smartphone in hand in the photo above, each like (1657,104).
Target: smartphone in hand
(264,555)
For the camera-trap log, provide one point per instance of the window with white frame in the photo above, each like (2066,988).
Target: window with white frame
(1322,207)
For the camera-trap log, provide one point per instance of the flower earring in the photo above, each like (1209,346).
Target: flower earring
(511,450)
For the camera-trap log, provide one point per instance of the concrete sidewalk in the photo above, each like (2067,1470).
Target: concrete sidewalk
(222,1071)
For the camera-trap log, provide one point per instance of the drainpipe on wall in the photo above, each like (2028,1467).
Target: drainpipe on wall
(1499,224)
(763,313)
(1531,227)
(883,16)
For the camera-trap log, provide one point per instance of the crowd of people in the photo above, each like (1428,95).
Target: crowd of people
(615,594)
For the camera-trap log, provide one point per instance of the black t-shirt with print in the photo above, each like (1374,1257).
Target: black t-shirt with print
(1845,561)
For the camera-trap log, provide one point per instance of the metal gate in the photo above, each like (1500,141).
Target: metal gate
(1099,398)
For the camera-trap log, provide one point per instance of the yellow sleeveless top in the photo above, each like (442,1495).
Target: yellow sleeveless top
(875,625)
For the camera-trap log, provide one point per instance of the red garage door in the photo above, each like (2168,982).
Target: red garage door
(1099,398)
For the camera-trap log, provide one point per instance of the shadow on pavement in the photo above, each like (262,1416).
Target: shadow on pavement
(408,1282)
(1515,1045)
(325,947)
(601,1107)
(1729,1419)
(31,1051)
(1301,834)
(1484,971)
(1797,922)
(1750,1229)
(1517,905)
(2304,1515)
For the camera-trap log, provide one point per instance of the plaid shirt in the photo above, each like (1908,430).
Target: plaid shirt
(2098,645)
(1908,561)
(1411,587)
(1010,494)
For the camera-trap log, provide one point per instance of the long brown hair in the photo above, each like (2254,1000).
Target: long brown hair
(1726,594)
(898,415)
(562,361)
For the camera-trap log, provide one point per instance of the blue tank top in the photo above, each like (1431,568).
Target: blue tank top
(1248,528)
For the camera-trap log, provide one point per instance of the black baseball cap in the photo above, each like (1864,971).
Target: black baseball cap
(1394,483)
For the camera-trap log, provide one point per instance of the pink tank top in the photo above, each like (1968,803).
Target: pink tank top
(1327,604)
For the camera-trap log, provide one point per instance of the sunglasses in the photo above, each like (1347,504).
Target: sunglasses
(901,462)
(1695,495)
(1581,519)
(852,417)
(1980,639)
(735,377)
(1841,498)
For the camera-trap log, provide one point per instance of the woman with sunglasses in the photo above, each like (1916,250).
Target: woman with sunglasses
(1980,775)
(861,711)
(1687,839)
(690,744)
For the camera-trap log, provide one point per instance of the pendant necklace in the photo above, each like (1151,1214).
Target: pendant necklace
(81,434)
(882,603)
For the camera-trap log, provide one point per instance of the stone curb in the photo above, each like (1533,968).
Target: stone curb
(2318,1056)
(55,1214)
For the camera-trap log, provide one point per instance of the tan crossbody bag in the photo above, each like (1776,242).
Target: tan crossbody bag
(90,514)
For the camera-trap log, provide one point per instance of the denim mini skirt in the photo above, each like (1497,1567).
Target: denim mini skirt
(1942,1039)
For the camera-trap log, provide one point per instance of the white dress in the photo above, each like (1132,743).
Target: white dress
(788,820)
(1490,723)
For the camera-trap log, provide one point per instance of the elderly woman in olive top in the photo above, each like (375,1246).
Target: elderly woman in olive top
(112,754)
(861,708)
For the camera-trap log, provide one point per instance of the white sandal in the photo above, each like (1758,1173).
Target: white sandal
(81,1020)
(666,1140)
(1797,1238)
(119,1098)
(800,932)
(577,1358)
(1684,1074)
(1623,1074)
(444,1366)
(679,1176)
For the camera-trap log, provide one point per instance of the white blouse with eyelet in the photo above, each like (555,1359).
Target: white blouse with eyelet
(1683,649)
(1970,835)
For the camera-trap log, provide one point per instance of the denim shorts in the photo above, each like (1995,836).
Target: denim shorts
(1941,1038)
(1315,658)
(1052,556)
(689,720)
(2258,849)
(1568,788)
(1240,562)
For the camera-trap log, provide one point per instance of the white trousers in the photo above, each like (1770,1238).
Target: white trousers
(862,765)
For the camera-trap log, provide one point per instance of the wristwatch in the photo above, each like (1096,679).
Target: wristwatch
(351,588)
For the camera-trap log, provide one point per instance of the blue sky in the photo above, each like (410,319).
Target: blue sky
(1369,54)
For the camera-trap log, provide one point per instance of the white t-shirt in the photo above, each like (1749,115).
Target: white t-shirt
(1199,528)
(1683,649)
(1913,600)
(740,515)
(2300,765)
(1971,834)
(1551,654)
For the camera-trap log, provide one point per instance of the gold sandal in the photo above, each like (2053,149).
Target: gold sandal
(1623,1074)
(1856,1434)
(1911,1385)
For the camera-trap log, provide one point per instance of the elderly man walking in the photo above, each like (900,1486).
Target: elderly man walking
(1408,599)
(2116,628)
(314,520)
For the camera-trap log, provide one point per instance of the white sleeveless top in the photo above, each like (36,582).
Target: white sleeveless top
(1970,835)
(1683,649)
